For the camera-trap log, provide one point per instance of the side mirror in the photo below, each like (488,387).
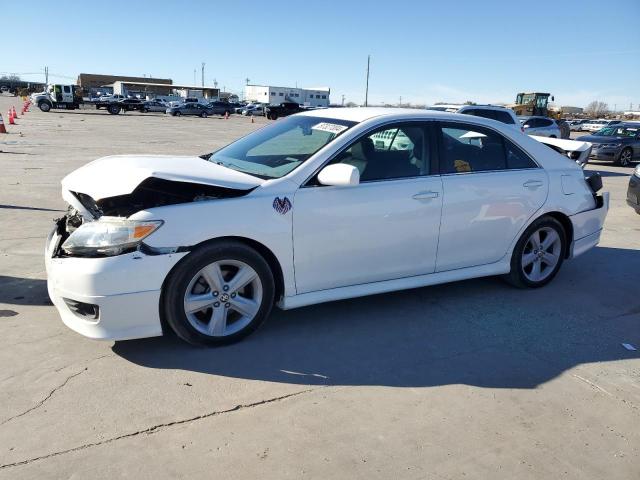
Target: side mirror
(339,175)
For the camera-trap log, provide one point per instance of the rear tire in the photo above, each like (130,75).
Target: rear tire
(625,158)
(207,301)
(538,255)
(204,115)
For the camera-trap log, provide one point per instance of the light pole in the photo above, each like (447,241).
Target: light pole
(366,92)
(203,64)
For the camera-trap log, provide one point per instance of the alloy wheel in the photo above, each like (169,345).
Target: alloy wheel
(223,298)
(625,157)
(541,254)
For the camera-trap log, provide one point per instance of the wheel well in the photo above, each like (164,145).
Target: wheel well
(568,227)
(266,253)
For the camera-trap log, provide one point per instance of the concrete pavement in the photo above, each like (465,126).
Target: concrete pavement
(468,380)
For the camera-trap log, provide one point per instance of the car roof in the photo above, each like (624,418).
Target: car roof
(527,117)
(361,114)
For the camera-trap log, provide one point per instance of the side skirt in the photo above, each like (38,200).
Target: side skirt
(499,268)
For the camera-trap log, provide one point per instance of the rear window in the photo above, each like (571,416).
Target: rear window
(504,117)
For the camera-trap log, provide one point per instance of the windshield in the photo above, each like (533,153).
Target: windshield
(276,150)
(617,132)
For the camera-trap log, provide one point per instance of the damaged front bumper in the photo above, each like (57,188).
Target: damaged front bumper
(108,298)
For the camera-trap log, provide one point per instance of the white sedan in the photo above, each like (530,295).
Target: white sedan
(320,206)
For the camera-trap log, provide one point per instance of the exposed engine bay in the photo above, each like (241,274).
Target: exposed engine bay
(152,192)
(155,192)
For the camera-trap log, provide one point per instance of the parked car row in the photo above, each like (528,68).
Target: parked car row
(200,110)
(619,143)
(586,125)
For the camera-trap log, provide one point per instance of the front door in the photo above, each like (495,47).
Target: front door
(384,228)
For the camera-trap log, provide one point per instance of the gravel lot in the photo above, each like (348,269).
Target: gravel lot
(468,380)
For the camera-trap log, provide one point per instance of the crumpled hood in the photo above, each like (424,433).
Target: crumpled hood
(121,174)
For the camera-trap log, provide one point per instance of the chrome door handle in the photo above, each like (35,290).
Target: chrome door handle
(426,195)
(532,184)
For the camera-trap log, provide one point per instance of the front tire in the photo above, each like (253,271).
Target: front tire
(177,114)
(44,106)
(626,155)
(538,255)
(204,115)
(217,295)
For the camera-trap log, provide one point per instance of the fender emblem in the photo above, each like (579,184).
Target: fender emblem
(281,206)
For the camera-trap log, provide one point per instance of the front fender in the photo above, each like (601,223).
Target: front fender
(252,217)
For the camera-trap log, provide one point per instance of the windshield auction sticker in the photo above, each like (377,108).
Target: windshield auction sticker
(329,127)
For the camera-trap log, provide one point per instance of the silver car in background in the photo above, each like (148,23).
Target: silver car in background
(540,126)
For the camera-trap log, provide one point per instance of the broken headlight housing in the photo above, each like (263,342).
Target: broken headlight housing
(108,236)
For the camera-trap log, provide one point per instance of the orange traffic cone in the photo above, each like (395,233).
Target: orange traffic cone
(2,129)
(15,114)
(11,121)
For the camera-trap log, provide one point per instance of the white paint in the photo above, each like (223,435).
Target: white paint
(368,238)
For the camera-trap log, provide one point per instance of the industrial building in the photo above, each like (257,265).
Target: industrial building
(88,81)
(313,97)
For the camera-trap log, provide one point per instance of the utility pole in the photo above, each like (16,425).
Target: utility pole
(343,99)
(247,80)
(194,76)
(366,92)
(46,75)
(215,83)
(203,64)
(400,101)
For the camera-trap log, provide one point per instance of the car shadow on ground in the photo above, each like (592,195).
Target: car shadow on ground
(478,332)
(23,291)
(39,209)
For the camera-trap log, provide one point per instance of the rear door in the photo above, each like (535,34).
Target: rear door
(491,188)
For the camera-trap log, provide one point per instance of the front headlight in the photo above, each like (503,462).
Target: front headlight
(611,145)
(108,236)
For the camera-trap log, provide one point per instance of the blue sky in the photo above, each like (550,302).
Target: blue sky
(424,51)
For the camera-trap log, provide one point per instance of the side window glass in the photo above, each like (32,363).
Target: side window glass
(471,149)
(485,114)
(516,158)
(401,151)
(504,117)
